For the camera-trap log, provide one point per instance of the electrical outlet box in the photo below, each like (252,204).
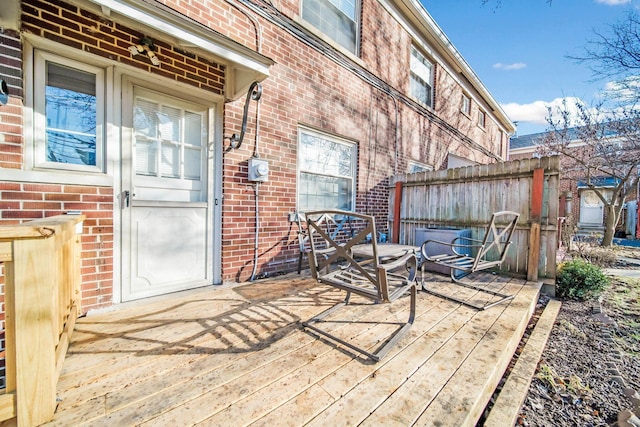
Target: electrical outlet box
(258,169)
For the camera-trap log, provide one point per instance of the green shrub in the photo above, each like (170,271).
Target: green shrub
(580,279)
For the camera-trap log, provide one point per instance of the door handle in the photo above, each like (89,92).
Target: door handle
(126,198)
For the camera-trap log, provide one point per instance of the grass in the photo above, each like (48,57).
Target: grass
(623,298)
(571,329)
(553,381)
(624,295)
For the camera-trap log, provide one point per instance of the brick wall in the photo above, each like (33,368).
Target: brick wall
(78,28)
(27,201)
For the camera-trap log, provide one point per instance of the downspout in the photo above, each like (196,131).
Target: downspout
(395,103)
(257,184)
(256,93)
(235,141)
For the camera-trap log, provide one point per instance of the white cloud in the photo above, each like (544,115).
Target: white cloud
(537,112)
(509,67)
(613,2)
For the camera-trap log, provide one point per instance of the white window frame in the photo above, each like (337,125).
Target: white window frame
(482,119)
(39,117)
(333,139)
(339,5)
(465,108)
(422,69)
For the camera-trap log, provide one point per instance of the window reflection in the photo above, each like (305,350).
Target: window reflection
(71,115)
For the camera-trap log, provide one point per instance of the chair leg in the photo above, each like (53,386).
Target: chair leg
(381,351)
(300,262)
(393,340)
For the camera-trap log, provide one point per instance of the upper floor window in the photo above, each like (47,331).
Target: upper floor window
(421,78)
(327,172)
(466,105)
(338,19)
(69,114)
(482,119)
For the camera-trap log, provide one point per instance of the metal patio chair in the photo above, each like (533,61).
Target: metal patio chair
(490,252)
(341,224)
(379,280)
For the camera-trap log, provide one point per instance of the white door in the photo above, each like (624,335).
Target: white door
(166,238)
(591,208)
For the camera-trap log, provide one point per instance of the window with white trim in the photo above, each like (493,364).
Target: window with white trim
(326,172)
(482,119)
(69,114)
(466,105)
(421,83)
(169,138)
(338,19)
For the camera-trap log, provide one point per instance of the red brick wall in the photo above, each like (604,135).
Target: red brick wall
(27,201)
(84,30)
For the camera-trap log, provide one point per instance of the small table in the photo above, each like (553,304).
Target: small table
(385,250)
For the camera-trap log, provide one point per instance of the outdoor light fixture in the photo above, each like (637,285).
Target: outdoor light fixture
(145,46)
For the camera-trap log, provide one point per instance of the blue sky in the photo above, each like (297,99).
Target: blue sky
(519,49)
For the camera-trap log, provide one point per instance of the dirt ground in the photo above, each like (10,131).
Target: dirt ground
(590,367)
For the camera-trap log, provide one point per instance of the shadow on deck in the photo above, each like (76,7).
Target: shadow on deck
(238,355)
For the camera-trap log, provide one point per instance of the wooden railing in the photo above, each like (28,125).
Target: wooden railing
(42,293)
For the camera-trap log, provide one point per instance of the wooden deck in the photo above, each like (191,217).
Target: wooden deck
(237,355)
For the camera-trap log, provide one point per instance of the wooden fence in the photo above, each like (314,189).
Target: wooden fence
(466,197)
(42,289)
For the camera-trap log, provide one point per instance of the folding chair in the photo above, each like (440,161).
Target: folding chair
(381,281)
(490,252)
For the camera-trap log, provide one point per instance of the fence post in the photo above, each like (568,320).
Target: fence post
(396,213)
(537,190)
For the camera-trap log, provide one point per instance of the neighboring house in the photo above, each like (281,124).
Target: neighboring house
(578,201)
(124,110)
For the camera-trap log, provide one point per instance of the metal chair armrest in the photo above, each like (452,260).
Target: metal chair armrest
(453,246)
(398,262)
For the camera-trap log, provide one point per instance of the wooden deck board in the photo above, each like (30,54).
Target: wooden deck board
(483,368)
(507,406)
(424,386)
(239,356)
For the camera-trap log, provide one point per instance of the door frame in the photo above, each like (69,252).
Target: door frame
(118,134)
(584,206)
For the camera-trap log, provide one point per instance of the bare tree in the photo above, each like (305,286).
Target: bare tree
(598,148)
(615,54)
(609,138)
